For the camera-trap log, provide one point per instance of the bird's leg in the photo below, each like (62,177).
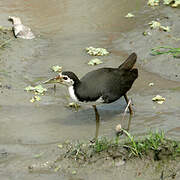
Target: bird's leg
(97,120)
(129,122)
(130,107)
(54,87)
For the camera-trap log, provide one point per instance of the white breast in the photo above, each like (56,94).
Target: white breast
(72,94)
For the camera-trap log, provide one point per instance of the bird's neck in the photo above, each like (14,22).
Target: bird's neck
(72,93)
(77,82)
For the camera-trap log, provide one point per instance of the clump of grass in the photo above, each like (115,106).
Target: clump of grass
(101,144)
(153,141)
(166,50)
(132,147)
(84,151)
(76,151)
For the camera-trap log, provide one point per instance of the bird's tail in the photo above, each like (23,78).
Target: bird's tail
(129,62)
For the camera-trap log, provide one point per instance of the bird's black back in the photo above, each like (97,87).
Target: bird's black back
(108,83)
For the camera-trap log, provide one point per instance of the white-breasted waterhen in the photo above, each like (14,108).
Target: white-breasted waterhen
(104,85)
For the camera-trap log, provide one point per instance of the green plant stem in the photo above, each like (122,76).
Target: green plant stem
(132,141)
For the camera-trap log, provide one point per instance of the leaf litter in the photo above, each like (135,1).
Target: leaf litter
(96,51)
(172,3)
(38,90)
(94,62)
(35,98)
(157,25)
(56,68)
(159,99)
(129,15)
(74,105)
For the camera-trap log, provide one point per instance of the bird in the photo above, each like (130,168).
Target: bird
(103,85)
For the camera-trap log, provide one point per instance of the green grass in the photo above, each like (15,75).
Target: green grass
(165,50)
(153,142)
(101,144)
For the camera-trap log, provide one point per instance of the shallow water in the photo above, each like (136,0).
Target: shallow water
(63,30)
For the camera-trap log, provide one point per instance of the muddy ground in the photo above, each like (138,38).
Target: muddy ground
(30,132)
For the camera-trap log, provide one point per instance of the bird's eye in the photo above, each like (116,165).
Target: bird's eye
(65,78)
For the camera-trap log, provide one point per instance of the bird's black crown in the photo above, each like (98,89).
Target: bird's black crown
(72,76)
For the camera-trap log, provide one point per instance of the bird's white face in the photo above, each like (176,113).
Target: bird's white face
(65,80)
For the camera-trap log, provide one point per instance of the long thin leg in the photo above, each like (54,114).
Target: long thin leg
(97,121)
(130,107)
(129,122)
(54,88)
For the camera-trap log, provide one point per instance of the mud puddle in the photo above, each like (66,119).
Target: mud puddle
(63,30)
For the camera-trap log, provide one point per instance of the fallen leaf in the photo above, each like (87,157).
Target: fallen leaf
(56,68)
(153,2)
(145,33)
(129,15)
(176,3)
(95,61)
(96,51)
(167,28)
(38,89)
(35,98)
(38,155)
(167,2)
(32,100)
(74,172)
(57,168)
(60,146)
(74,105)
(157,25)
(151,84)
(154,24)
(160,102)
(159,99)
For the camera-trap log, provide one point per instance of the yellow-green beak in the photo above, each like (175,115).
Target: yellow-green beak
(57,79)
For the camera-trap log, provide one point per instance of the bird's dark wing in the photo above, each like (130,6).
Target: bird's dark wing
(122,82)
(108,83)
(93,84)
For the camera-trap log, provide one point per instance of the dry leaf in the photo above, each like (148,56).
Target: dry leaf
(96,51)
(159,99)
(95,61)
(129,15)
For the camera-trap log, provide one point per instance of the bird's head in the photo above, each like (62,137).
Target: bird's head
(66,78)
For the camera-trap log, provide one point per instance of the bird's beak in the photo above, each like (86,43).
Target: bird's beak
(57,79)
